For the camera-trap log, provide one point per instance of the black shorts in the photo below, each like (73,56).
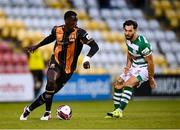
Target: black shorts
(59,69)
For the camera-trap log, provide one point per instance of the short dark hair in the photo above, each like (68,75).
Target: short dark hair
(130,22)
(69,14)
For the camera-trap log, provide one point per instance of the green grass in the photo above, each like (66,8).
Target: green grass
(139,114)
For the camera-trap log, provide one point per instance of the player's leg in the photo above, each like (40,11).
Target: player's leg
(126,96)
(61,81)
(49,92)
(36,103)
(117,92)
(127,91)
(139,75)
(118,89)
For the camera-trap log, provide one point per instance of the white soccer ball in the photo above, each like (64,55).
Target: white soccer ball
(64,112)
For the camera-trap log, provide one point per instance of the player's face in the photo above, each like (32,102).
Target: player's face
(129,32)
(71,22)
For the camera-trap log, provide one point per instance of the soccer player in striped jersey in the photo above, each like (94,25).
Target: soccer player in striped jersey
(67,48)
(139,68)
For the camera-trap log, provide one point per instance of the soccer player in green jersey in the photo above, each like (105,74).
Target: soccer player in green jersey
(139,68)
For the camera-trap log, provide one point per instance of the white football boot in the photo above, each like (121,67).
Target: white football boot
(46,116)
(25,114)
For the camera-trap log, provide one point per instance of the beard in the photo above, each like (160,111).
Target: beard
(129,37)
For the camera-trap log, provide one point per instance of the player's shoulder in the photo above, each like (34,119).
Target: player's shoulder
(55,27)
(80,29)
(142,39)
(144,43)
(81,32)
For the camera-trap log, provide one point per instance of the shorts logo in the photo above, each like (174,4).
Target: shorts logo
(52,66)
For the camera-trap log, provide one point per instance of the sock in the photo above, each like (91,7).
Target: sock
(38,102)
(126,96)
(27,112)
(49,98)
(117,97)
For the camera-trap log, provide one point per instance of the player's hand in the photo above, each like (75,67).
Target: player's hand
(86,65)
(86,62)
(152,83)
(30,49)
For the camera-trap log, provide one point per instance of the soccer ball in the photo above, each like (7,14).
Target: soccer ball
(64,112)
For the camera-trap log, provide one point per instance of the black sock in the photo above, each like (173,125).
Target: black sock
(38,102)
(49,98)
(26,113)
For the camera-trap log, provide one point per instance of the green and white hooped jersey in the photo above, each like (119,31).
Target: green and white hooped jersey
(139,49)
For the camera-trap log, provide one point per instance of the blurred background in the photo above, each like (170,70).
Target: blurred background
(27,22)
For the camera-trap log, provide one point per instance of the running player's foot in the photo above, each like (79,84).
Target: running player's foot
(46,116)
(116,113)
(108,117)
(25,114)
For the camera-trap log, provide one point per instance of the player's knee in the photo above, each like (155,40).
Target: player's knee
(129,84)
(118,84)
(50,89)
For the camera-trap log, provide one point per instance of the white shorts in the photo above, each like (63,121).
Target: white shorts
(140,73)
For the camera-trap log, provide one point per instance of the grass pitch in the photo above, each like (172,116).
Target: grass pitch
(164,114)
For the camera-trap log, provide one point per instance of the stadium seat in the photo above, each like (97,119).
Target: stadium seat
(178,57)
(175,46)
(165,47)
(176,3)
(154,46)
(116,13)
(15,59)
(153,24)
(165,4)
(171,59)
(170,36)
(137,14)
(118,4)
(79,4)
(94,13)
(159,35)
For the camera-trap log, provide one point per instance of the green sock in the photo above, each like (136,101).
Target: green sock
(126,96)
(117,97)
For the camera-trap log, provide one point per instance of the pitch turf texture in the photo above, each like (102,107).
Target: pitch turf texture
(90,115)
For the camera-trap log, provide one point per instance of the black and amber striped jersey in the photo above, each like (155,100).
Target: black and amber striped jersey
(69,45)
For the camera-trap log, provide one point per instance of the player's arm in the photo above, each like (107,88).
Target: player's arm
(150,63)
(45,41)
(128,63)
(150,68)
(86,39)
(147,54)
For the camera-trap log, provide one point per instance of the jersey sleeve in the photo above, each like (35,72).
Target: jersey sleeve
(145,48)
(85,37)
